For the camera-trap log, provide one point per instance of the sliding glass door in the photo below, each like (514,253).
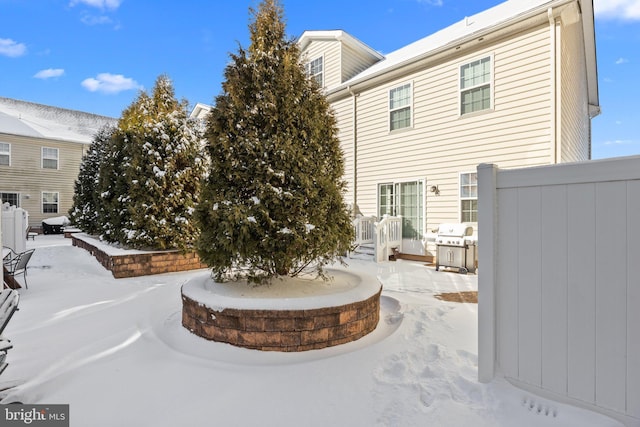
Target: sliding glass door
(405,199)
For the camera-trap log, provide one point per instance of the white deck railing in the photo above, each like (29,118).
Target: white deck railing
(384,235)
(363,226)
(388,233)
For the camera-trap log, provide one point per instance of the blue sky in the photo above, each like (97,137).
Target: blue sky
(94,55)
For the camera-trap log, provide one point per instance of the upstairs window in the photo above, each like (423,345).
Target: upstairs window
(49,158)
(315,71)
(50,202)
(400,107)
(469,197)
(475,86)
(5,154)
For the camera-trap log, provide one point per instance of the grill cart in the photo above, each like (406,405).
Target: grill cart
(456,247)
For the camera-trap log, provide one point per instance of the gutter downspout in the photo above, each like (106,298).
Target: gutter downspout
(554,148)
(355,148)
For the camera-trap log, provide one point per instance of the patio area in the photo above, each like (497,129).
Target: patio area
(115,350)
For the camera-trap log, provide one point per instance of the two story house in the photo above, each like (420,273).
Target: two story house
(41,148)
(515,85)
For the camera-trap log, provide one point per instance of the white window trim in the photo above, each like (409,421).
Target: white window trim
(393,183)
(9,153)
(42,202)
(460,198)
(17,193)
(308,69)
(491,86)
(42,158)
(389,110)
(378,194)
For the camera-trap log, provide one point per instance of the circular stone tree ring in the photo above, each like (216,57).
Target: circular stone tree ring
(289,314)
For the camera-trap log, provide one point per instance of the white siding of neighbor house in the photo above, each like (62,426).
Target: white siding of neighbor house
(26,175)
(441,144)
(575,120)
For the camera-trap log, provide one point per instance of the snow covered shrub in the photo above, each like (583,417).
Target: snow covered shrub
(112,189)
(147,175)
(273,200)
(163,170)
(86,198)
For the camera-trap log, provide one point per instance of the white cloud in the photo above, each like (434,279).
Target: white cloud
(101,4)
(432,2)
(110,83)
(95,20)
(12,48)
(49,73)
(617,9)
(619,142)
(622,61)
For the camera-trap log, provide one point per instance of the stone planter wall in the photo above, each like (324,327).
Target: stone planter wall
(283,330)
(141,264)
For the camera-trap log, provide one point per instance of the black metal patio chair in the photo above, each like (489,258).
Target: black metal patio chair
(17,264)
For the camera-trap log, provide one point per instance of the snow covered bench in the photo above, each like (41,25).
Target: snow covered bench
(31,234)
(9,299)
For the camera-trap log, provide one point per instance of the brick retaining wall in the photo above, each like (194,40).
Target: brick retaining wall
(283,330)
(142,264)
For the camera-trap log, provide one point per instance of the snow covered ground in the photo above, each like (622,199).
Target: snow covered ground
(115,351)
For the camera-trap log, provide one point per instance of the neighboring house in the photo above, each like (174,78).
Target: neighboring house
(200,111)
(41,148)
(515,85)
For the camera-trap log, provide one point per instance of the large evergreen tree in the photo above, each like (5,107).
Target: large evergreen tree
(113,188)
(86,200)
(163,170)
(273,202)
(139,185)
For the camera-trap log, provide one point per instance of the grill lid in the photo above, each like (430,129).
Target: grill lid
(454,230)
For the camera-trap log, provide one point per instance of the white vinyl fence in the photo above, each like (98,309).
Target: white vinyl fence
(559,286)
(14,227)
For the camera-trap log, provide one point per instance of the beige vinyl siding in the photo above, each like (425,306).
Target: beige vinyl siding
(329,50)
(575,120)
(354,62)
(343,111)
(442,144)
(26,175)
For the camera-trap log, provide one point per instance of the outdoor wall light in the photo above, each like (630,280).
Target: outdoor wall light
(434,189)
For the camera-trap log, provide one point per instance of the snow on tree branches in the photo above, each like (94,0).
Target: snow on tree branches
(273,200)
(149,174)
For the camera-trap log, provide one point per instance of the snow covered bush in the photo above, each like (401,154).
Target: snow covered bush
(163,171)
(86,200)
(273,200)
(112,189)
(149,174)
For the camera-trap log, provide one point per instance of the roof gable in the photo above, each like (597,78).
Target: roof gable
(341,36)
